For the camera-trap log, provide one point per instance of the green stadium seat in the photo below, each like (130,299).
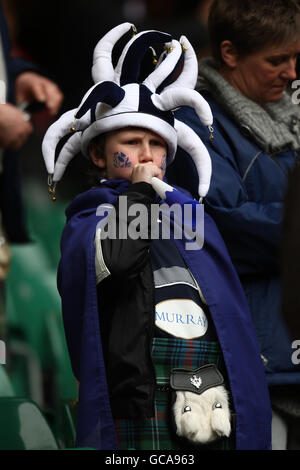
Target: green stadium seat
(23,426)
(66,385)
(34,313)
(6,388)
(31,296)
(39,363)
(45,220)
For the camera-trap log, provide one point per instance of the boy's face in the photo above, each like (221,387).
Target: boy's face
(129,147)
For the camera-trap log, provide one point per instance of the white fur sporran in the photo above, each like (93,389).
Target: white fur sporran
(202,418)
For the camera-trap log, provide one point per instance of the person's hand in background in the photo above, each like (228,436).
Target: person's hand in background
(30,87)
(15,127)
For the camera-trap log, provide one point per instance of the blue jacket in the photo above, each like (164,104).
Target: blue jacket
(212,269)
(246,200)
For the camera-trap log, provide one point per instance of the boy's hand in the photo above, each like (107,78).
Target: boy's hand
(145,172)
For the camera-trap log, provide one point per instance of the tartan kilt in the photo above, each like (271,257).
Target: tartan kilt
(158,432)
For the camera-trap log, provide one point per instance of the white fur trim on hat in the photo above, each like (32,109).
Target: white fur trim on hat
(133,119)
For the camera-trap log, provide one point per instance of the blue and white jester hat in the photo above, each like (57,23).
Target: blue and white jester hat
(118,100)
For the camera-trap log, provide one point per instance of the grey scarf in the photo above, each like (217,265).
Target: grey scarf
(274,127)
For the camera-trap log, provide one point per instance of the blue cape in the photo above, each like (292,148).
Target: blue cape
(213,270)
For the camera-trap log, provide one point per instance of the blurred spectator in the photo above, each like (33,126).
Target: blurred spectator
(23,86)
(60,37)
(19,83)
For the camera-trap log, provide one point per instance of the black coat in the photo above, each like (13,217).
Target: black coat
(127,337)
(290,255)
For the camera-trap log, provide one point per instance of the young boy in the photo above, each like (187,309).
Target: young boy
(151,277)
(148,321)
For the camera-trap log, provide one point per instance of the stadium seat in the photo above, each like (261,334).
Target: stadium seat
(34,315)
(23,426)
(6,388)
(45,219)
(39,365)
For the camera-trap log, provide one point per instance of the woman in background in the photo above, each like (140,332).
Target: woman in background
(256,143)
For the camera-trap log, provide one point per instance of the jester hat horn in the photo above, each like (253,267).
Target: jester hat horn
(118,100)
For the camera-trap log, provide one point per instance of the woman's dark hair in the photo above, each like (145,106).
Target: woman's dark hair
(252,25)
(94,173)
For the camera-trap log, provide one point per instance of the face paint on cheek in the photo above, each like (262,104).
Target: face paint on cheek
(163,164)
(121,160)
